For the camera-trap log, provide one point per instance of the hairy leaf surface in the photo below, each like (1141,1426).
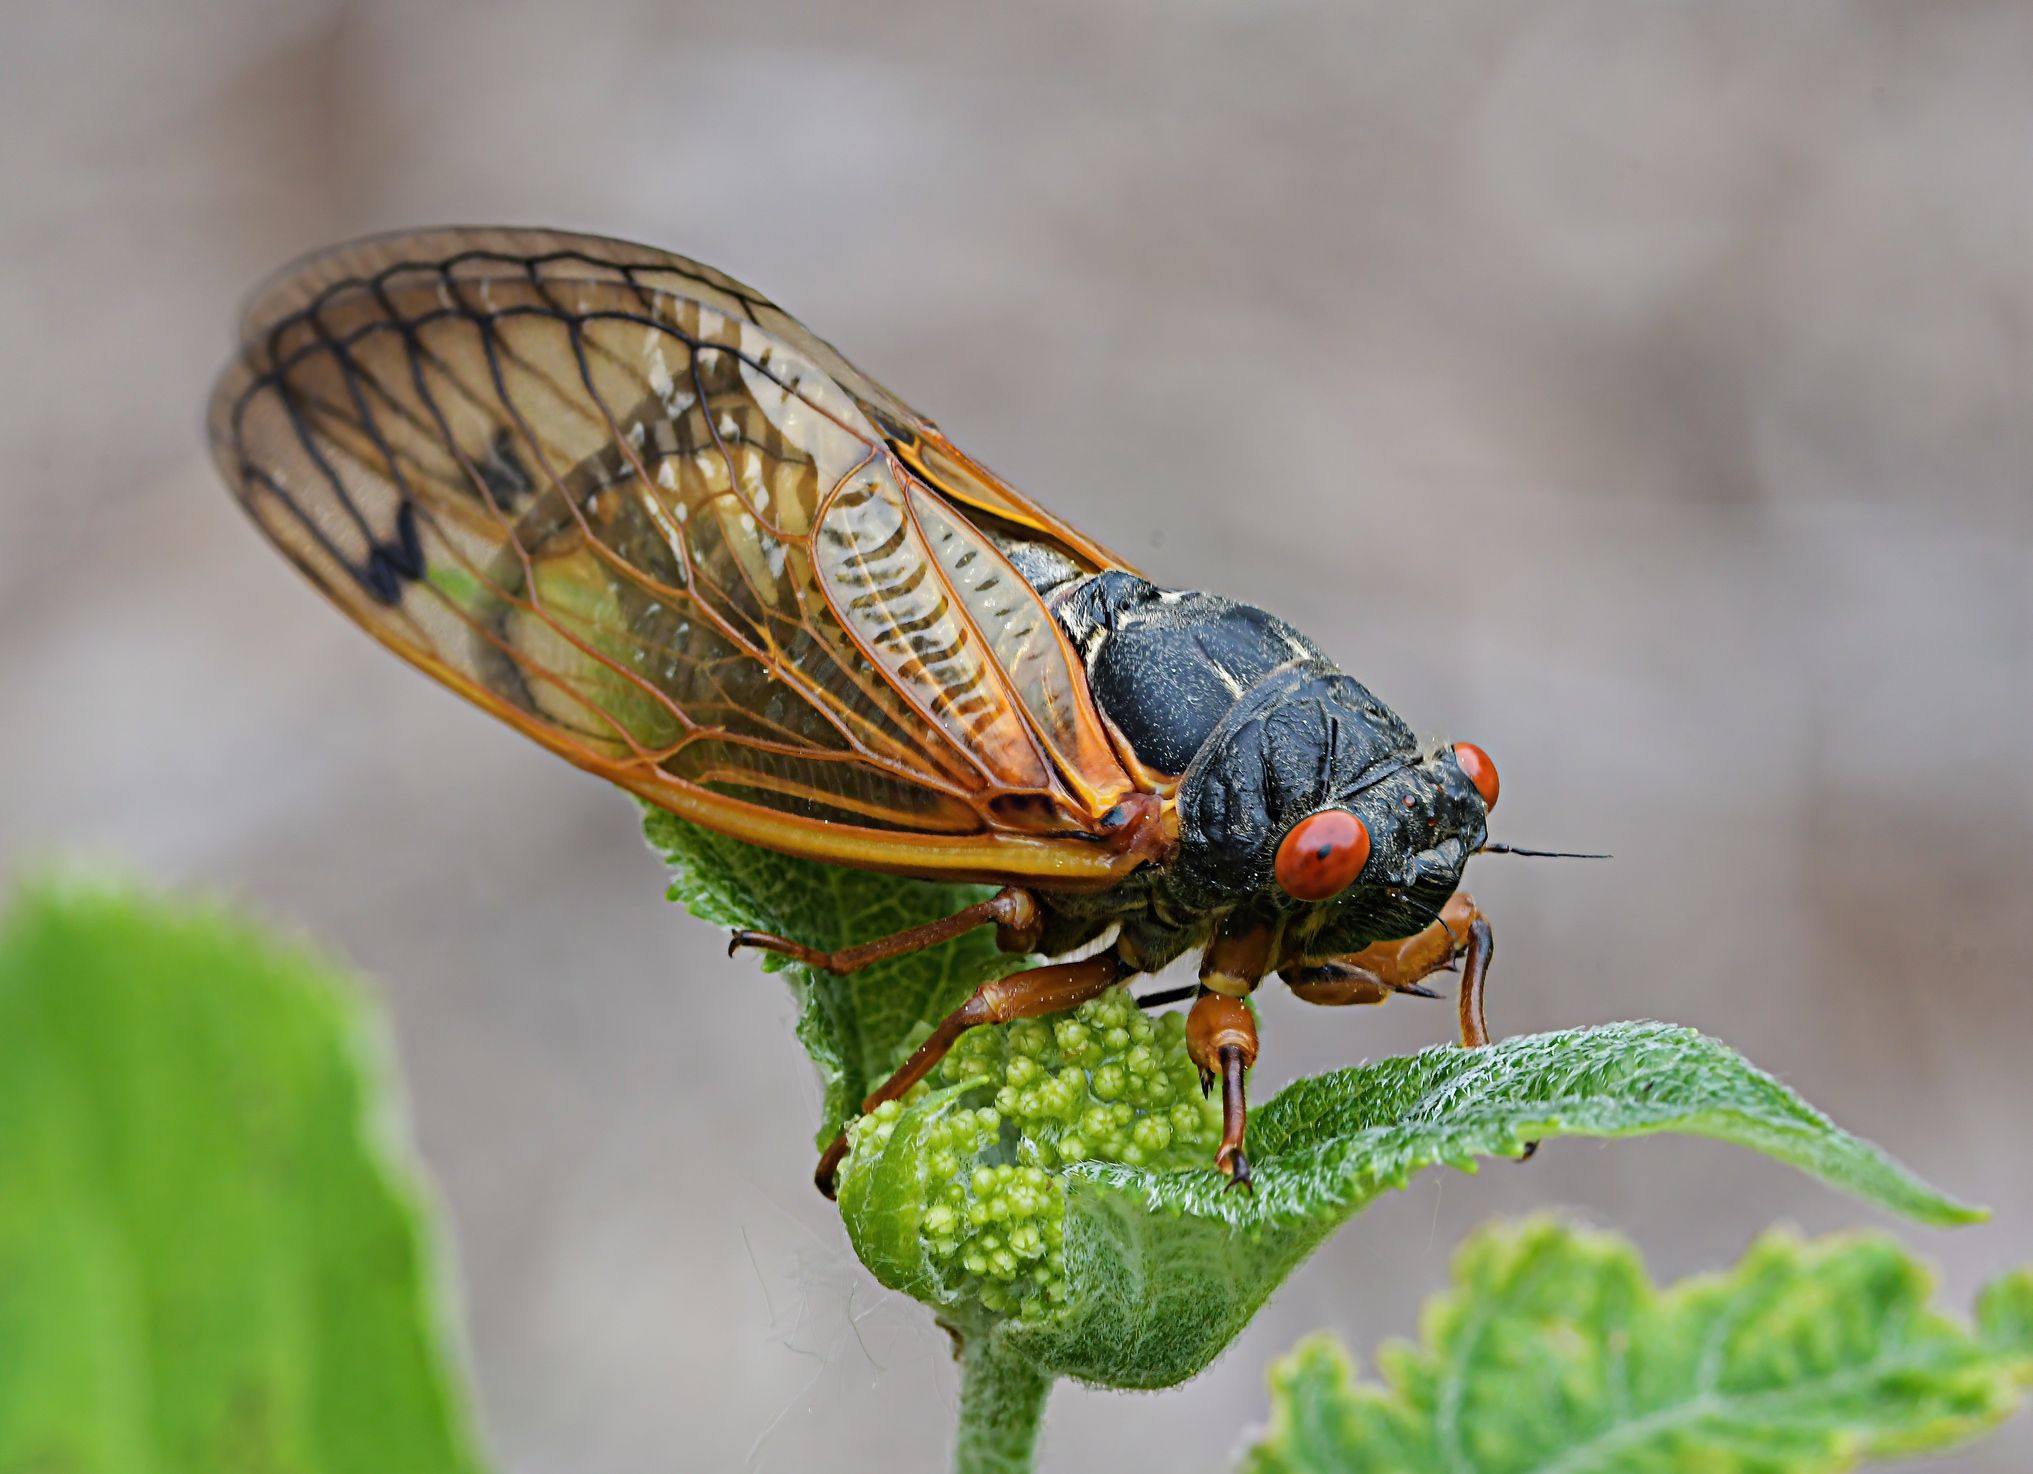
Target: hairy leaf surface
(1554,1354)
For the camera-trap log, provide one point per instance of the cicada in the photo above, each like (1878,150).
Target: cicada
(633,508)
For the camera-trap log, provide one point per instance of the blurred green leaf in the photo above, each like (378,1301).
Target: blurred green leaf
(212,1246)
(1553,1352)
(2005,1313)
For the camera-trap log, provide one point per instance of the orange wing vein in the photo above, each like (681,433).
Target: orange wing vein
(633,508)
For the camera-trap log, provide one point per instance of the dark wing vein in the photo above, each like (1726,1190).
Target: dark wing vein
(631,506)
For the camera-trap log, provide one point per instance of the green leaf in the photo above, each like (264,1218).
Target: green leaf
(858,1028)
(1163,1268)
(2005,1313)
(1032,1196)
(1554,1354)
(212,1245)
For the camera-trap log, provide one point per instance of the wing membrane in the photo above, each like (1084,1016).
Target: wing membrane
(632,507)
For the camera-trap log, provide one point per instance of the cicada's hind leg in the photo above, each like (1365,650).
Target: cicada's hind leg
(1402,965)
(1221,1038)
(1030,994)
(1014,912)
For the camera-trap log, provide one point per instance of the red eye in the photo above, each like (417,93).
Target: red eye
(1479,770)
(1321,854)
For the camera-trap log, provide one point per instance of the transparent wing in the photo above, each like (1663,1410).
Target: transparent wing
(630,506)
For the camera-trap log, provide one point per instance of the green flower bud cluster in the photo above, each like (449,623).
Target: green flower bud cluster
(1105,1083)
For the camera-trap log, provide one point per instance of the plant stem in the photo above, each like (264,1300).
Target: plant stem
(1002,1407)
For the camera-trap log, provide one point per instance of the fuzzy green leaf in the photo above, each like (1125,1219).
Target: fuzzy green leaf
(212,1253)
(1164,1267)
(1553,1354)
(2005,1313)
(858,1028)
(1052,1189)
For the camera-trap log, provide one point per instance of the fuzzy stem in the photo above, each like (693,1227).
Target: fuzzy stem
(1002,1407)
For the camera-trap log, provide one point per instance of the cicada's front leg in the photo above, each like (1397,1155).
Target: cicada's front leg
(1400,966)
(1384,968)
(1221,1032)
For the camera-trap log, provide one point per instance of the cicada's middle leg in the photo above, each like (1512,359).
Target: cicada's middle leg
(1221,1038)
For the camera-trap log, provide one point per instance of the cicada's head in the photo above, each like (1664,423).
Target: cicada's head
(1314,801)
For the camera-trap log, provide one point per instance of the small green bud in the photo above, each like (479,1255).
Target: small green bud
(1104,1083)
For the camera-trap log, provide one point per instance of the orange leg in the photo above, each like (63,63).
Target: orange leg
(1339,983)
(1384,968)
(1475,955)
(1038,991)
(1221,1038)
(1400,966)
(1474,968)
(1014,912)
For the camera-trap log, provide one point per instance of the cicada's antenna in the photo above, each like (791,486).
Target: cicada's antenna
(1492,847)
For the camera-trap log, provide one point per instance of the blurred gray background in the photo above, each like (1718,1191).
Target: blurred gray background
(1644,391)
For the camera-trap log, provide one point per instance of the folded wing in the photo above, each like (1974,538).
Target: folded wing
(633,508)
